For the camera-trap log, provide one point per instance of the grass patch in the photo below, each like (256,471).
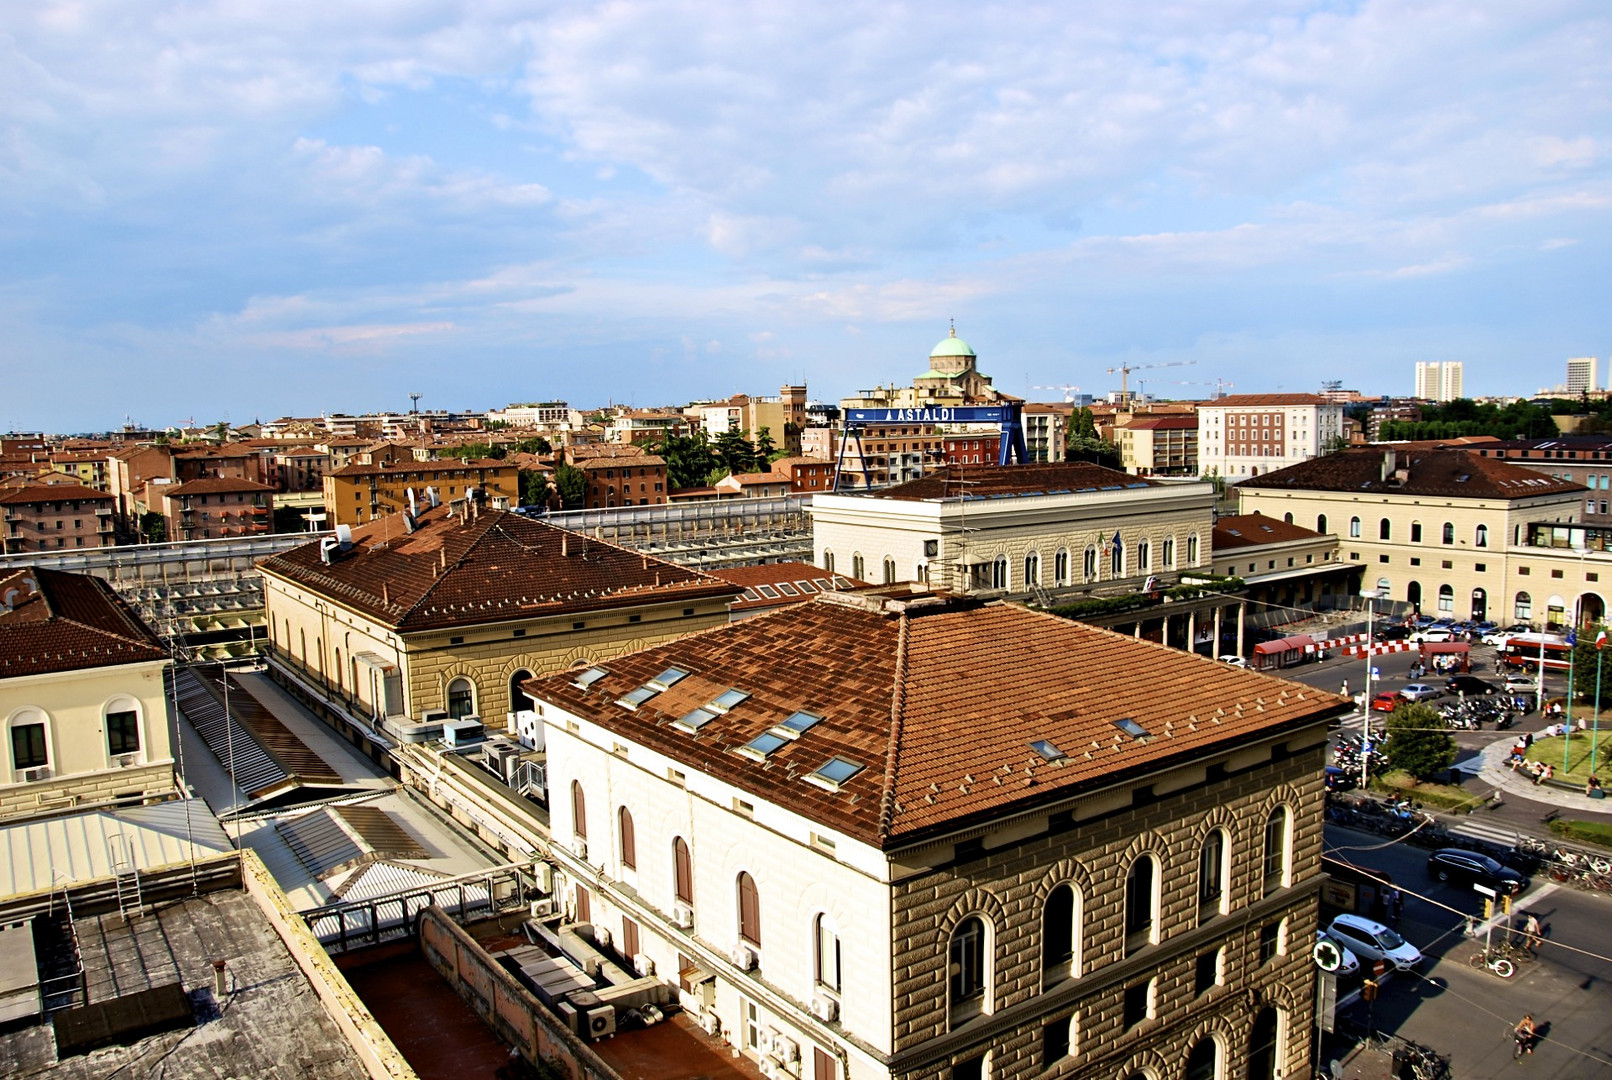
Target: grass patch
(1550,750)
(1443,796)
(1589,832)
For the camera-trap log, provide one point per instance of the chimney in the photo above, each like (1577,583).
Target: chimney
(1390,462)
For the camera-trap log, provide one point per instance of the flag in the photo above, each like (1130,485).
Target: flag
(1572,638)
(1600,637)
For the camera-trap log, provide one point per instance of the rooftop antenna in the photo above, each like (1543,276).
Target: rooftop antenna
(414,403)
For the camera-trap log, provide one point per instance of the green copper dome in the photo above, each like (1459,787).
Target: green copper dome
(951,345)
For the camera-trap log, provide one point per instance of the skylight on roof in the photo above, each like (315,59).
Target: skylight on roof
(1131,727)
(787,589)
(694,719)
(833,773)
(805,586)
(1047,750)
(589,677)
(768,591)
(762,745)
(636,697)
(668,678)
(796,724)
(728,699)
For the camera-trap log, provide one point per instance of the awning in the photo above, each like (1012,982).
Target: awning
(1432,648)
(1282,645)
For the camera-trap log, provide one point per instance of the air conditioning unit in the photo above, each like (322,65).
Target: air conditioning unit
(599,1022)
(35,774)
(579,845)
(769,1068)
(545,876)
(711,1022)
(601,936)
(785,1049)
(743,957)
(542,909)
(124,761)
(682,916)
(644,964)
(769,1041)
(825,1008)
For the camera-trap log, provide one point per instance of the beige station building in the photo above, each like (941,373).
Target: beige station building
(1449,531)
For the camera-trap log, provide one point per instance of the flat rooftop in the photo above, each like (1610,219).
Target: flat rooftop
(268,1026)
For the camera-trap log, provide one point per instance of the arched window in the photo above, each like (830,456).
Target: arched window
(1204,1061)
(857,569)
(1448,535)
(30,742)
(1060,567)
(1288,518)
(682,872)
(1060,933)
(518,701)
(1276,844)
(1088,565)
(1167,553)
(1116,558)
(628,838)
(1524,609)
(1192,550)
(966,957)
(1141,904)
(1354,527)
(1385,530)
(1446,599)
(828,560)
(579,810)
(999,572)
(1416,532)
(825,953)
(749,910)
(889,570)
(1264,1044)
(122,722)
(1321,523)
(461,699)
(1032,569)
(1212,873)
(1144,557)
(1481,536)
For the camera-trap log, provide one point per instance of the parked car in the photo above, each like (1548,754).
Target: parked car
(1434,634)
(1340,779)
(1495,637)
(1518,683)
(1455,864)
(1470,685)
(1419,691)
(1233,659)
(1422,622)
(1373,941)
(1392,633)
(1349,963)
(1387,701)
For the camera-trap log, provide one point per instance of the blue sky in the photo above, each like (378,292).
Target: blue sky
(254,208)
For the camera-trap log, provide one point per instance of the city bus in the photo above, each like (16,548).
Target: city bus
(1524,650)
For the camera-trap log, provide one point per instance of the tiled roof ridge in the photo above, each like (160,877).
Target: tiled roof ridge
(898,708)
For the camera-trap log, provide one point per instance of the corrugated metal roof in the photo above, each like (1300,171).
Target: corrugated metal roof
(78,848)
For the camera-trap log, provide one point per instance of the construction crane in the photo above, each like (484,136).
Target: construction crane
(1126,369)
(1220,385)
(1068,391)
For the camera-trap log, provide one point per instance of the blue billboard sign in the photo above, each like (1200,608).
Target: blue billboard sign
(936,414)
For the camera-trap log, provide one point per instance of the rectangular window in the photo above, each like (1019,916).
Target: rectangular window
(822,1064)
(751,1017)
(629,938)
(28,746)
(1206,972)
(1270,935)
(1138,1003)
(972,1069)
(122,733)
(1054,1042)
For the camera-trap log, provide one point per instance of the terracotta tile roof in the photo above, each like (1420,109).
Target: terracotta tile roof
(578,452)
(214,485)
(442,465)
(1247,530)
(67,622)
(985,481)
(941,723)
(496,567)
(1247,400)
(1159,423)
(43,493)
(620,461)
(752,479)
(773,584)
(1439,471)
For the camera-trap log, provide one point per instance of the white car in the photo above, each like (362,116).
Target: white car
(1434,633)
(1233,659)
(1521,684)
(1373,941)
(1348,962)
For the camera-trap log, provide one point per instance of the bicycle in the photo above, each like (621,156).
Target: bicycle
(1491,959)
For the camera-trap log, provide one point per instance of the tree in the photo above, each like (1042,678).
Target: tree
(571,484)
(688,459)
(735,451)
(1586,668)
(534,488)
(1082,443)
(153,528)
(766,450)
(1418,743)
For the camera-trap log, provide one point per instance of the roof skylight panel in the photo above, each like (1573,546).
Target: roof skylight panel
(667,679)
(1130,727)
(728,699)
(787,589)
(796,724)
(637,696)
(586,680)
(694,719)
(759,747)
(833,773)
(1048,751)
(805,586)
(768,591)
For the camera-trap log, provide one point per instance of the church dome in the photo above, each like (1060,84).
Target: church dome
(951,345)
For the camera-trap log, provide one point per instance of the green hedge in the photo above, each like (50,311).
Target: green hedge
(1590,832)
(1443,796)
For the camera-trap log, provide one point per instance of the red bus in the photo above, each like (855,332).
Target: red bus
(1523,651)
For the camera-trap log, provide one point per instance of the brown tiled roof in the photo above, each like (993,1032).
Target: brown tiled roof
(1440,471)
(1159,423)
(747,479)
(788,582)
(620,461)
(1246,530)
(941,723)
(496,567)
(1247,400)
(214,485)
(43,493)
(983,481)
(442,465)
(67,622)
(578,452)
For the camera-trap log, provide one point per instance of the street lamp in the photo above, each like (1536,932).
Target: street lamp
(1370,596)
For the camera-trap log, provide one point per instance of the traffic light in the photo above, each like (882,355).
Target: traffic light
(1488,908)
(1368,990)
(1505,903)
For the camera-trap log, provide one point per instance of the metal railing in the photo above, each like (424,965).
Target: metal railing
(361,923)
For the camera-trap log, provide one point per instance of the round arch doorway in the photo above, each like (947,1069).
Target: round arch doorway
(1591,610)
(1480,605)
(1413,596)
(518,700)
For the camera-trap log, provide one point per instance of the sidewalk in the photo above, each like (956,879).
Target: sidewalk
(1498,774)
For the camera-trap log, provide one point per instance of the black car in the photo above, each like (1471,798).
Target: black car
(1393,633)
(1470,685)
(1454,864)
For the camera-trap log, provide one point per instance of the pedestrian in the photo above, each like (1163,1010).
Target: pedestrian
(1531,933)
(1396,903)
(1345,690)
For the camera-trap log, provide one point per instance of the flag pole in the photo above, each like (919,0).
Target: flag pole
(1567,735)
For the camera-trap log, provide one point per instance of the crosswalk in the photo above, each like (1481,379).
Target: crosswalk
(1482,830)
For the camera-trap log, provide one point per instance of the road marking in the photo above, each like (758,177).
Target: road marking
(1480,831)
